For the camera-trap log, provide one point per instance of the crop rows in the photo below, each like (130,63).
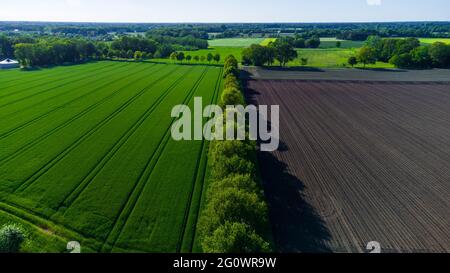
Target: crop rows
(359,162)
(92,152)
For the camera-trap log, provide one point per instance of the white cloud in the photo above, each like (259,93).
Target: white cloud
(374,2)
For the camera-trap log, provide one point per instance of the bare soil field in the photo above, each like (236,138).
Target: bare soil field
(359,162)
(310,73)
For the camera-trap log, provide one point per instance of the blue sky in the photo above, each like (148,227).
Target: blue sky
(225,10)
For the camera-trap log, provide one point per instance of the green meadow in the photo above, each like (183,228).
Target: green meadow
(87,155)
(235,42)
(434,40)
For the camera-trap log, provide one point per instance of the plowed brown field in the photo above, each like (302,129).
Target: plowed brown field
(359,162)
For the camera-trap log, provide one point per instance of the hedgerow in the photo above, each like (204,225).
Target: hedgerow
(234,219)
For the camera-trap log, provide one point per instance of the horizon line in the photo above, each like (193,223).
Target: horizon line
(234,22)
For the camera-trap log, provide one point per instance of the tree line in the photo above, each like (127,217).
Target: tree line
(235,217)
(403,53)
(181,56)
(51,50)
(281,50)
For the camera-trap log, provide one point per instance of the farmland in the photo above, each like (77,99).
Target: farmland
(86,155)
(360,161)
(434,40)
(331,43)
(331,57)
(235,42)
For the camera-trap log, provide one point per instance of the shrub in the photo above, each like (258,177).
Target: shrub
(234,205)
(403,60)
(232,165)
(235,238)
(440,54)
(243,182)
(230,148)
(231,96)
(231,81)
(230,61)
(352,61)
(11,238)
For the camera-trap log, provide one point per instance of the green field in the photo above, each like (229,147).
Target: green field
(223,51)
(434,40)
(331,43)
(267,41)
(86,155)
(235,42)
(331,58)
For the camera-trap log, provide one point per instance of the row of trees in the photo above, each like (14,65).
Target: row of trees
(55,52)
(259,55)
(403,53)
(235,216)
(49,50)
(303,42)
(181,56)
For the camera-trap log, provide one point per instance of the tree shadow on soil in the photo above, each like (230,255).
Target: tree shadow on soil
(296,225)
(294,68)
(381,69)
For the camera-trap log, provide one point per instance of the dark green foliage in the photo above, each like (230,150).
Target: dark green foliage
(282,50)
(243,182)
(234,219)
(235,238)
(255,55)
(234,205)
(367,55)
(231,96)
(54,52)
(127,43)
(313,42)
(403,60)
(217,58)
(304,61)
(231,81)
(11,238)
(227,149)
(231,69)
(352,61)
(440,54)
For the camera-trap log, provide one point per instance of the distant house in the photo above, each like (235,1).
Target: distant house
(9,63)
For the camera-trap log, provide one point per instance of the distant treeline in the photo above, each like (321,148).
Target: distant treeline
(45,50)
(350,31)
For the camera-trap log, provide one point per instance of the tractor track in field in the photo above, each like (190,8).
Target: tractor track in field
(146,173)
(67,122)
(98,167)
(30,214)
(195,178)
(66,151)
(56,87)
(44,115)
(42,77)
(65,93)
(82,78)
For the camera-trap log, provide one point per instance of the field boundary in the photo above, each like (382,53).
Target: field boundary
(196,180)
